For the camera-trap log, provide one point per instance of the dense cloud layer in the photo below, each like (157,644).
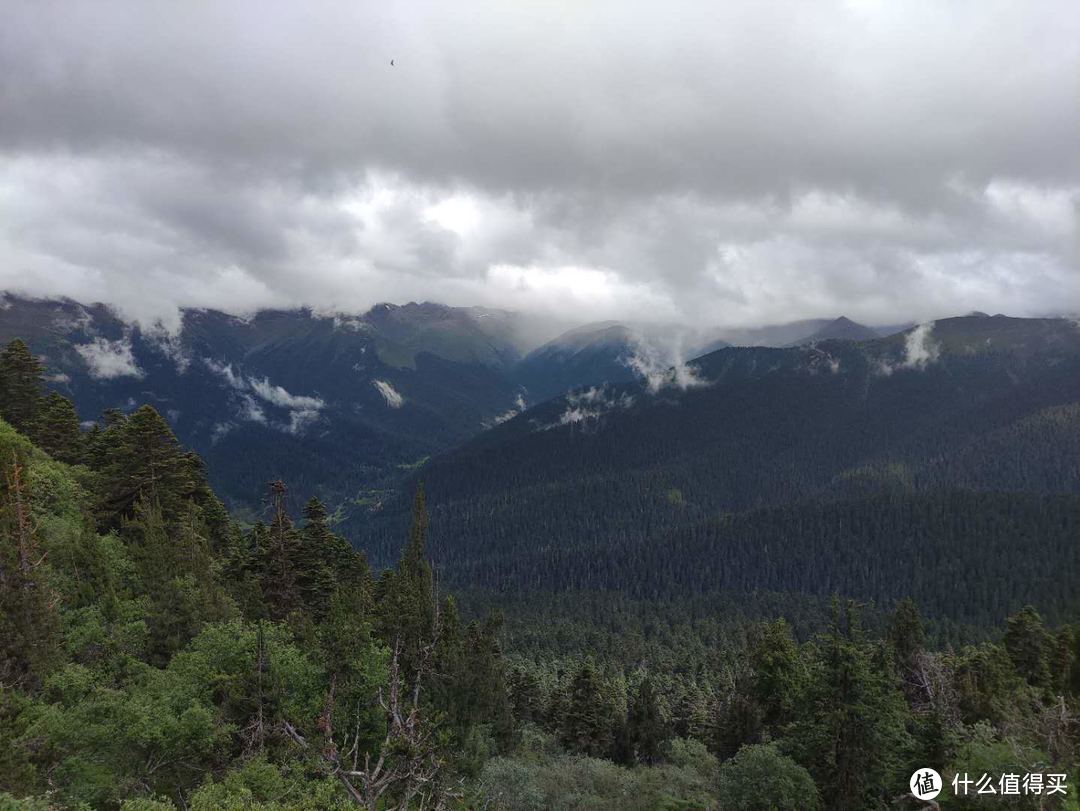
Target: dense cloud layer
(728,163)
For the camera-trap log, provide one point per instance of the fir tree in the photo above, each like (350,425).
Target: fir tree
(28,615)
(318,555)
(645,725)
(142,458)
(777,673)
(850,732)
(20,386)
(586,727)
(905,635)
(57,429)
(406,596)
(526,695)
(1028,645)
(280,590)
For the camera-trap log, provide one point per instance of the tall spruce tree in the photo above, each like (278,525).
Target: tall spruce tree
(905,635)
(29,622)
(586,725)
(406,596)
(850,732)
(1029,645)
(20,386)
(57,429)
(645,724)
(142,458)
(280,590)
(316,558)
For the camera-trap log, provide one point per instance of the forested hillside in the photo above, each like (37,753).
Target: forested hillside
(156,655)
(942,462)
(339,406)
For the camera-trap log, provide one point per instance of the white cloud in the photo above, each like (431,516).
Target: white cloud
(591,403)
(661,364)
(251,411)
(277,395)
(225,370)
(108,360)
(303,410)
(919,347)
(509,414)
(389,393)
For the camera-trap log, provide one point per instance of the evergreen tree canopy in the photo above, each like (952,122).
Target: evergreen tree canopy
(20,386)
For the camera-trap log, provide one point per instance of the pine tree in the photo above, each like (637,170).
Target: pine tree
(777,673)
(905,635)
(645,725)
(406,596)
(142,458)
(28,616)
(319,554)
(280,591)
(57,429)
(586,728)
(20,386)
(526,695)
(850,731)
(1028,645)
(314,560)
(486,678)
(1063,659)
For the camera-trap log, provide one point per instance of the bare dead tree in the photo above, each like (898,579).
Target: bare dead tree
(929,687)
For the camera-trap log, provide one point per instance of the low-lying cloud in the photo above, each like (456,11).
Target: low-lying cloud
(589,404)
(391,395)
(660,363)
(920,348)
(255,393)
(108,360)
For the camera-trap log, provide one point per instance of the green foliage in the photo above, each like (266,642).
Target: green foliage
(156,656)
(406,595)
(587,721)
(538,782)
(140,459)
(850,733)
(645,726)
(986,753)
(259,785)
(160,659)
(56,429)
(20,386)
(760,778)
(1029,646)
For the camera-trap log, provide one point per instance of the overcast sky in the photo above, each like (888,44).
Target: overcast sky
(726,163)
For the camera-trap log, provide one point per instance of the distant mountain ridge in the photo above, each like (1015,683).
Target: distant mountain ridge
(594,353)
(841,329)
(336,405)
(620,487)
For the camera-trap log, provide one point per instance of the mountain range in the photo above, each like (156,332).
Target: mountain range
(342,405)
(604,459)
(873,468)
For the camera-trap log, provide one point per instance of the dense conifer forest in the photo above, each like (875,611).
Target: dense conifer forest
(158,654)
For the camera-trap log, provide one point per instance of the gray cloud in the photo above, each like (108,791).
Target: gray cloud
(730,163)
